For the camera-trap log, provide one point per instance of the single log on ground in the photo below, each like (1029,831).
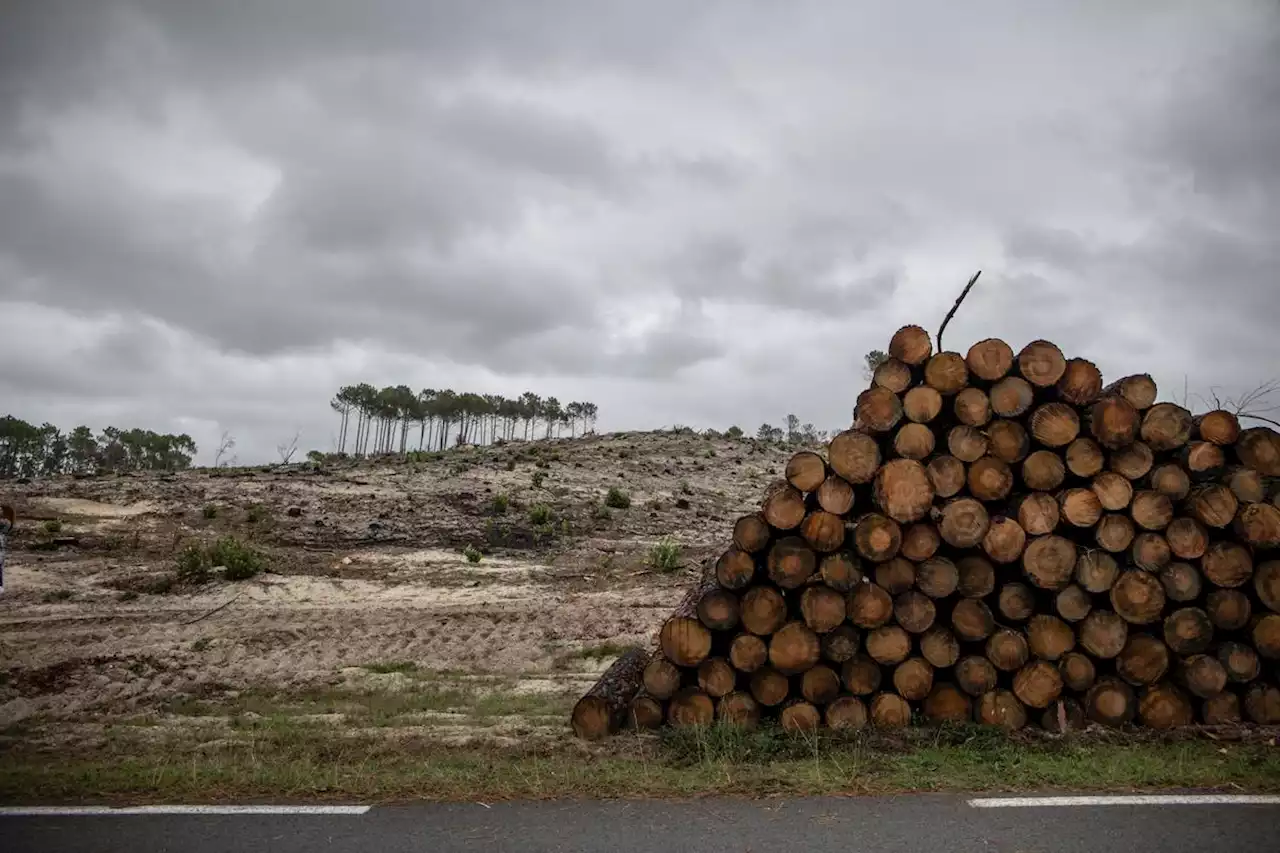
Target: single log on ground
(793,648)
(1181,582)
(914,611)
(1081,382)
(854,457)
(646,713)
(1151,510)
(1138,597)
(1037,684)
(841,643)
(1259,449)
(888,645)
(1077,671)
(784,506)
(1212,504)
(748,652)
(841,571)
(763,610)
(972,620)
(946,373)
(911,345)
(946,703)
(1007,649)
(1188,539)
(1163,706)
(1228,609)
(716,677)
(1048,637)
(1042,363)
(1171,481)
(800,716)
(869,606)
(1151,551)
(1103,634)
(824,531)
(892,374)
(1133,462)
(1203,460)
(1218,427)
(806,470)
(735,569)
(739,709)
(1001,708)
(823,608)
(890,711)
(878,409)
(1055,424)
(1114,533)
(914,441)
(1005,540)
(1221,710)
(1043,471)
(1143,660)
(946,475)
(1110,702)
(990,359)
(1114,491)
(751,533)
(1038,513)
(1063,715)
(992,480)
(922,404)
(1259,525)
(1239,661)
(966,443)
(1266,581)
(1203,676)
(976,577)
(1011,397)
(896,575)
(719,610)
(1266,635)
(1049,561)
(903,491)
(661,678)
(913,679)
(1246,484)
(940,647)
(976,675)
(963,522)
(603,710)
(1138,390)
(937,577)
(1080,507)
(1016,602)
(876,537)
(769,687)
(972,406)
(1114,422)
(685,640)
(1227,564)
(1096,571)
(1166,426)
(1188,631)
(1085,458)
(847,713)
(1008,441)
(861,676)
(820,685)
(1073,603)
(1262,704)
(920,541)
(791,562)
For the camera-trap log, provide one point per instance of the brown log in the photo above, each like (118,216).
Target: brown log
(1227,564)
(1037,684)
(878,409)
(1221,710)
(876,537)
(763,610)
(793,648)
(946,373)
(1188,631)
(1011,397)
(1259,448)
(946,703)
(751,533)
(1038,513)
(1228,609)
(1151,510)
(1114,533)
(1007,650)
(1077,671)
(903,491)
(820,685)
(1151,551)
(940,647)
(1048,637)
(739,709)
(646,713)
(1043,471)
(990,479)
(735,569)
(1266,635)
(1163,706)
(963,522)
(1114,422)
(822,607)
(1096,571)
(1042,363)
(800,716)
(841,643)
(1262,704)
(1258,525)
(716,677)
(1103,634)
(914,441)
(1171,481)
(719,610)
(1203,460)
(1212,504)
(1016,602)
(946,475)
(1266,582)
(1218,427)
(1008,441)
(966,443)
(1085,458)
(854,457)
(784,506)
(911,345)
(1001,708)
(976,675)
(1188,539)
(748,653)
(791,562)
(1055,424)
(990,359)
(769,687)
(841,571)
(1063,715)
(1166,426)
(690,707)
(1138,390)
(1240,662)
(1004,541)
(1080,507)
(937,577)
(1133,462)
(1114,491)
(1049,561)
(890,711)
(861,676)
(685,640)
(1143,660)
(1072,603)
(914,611)
(1138,597)
(1181,582)
(661,678)
(888,645)
(972,407)
(922,404)
(976,577)
(806,470)
(896,575)
(603,710)
(823,531)
(972,620)
(892,374)
(920,541)
(846,713)
(1246,484)
(1203,676)
(1081,382)
(869,606)
(1110,702)
(913,679)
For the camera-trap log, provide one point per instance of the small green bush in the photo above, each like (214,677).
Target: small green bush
(472,553)
(539,477)
(241,561)
(617,499)
(210,511)
(255,513)
(600,511)
(540,514)
(501,503)
(511,464)
(193,565)
(685,488)
(665,556)
(52,527)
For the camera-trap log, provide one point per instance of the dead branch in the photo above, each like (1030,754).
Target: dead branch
(952,312)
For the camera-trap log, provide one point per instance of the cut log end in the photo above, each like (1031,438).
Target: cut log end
(911,345)
(878,409)
(990,359)
(602,711)
(854,456)
(806,470)
(946,373)
(1081,382)
(1042,364)
(903,490)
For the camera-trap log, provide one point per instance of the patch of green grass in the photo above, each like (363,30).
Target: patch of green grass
(241,561)
(538,478)
(193,566)
(617,498)
(472,553)
(200,644)
(387,667)
(665,556)
(255,514)
(501,502)
(56,595)
(539,514)
(600,511)
(210,511)
(51,527)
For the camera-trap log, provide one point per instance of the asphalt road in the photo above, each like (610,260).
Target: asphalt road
(910,824)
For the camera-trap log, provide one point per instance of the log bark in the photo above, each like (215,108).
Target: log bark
(922,404)
(1008,441)
(940,647)
(1151,551)
(1246,484)
(690,707)
(1212,504)
(847,713)
(1072,603)
(911,345)
(1055,424)
(824,531)
(914,441)
(913,679)
(719,610)
(1077,671)
(1133,462)
(646,713)
(876,537)
(1103,634)
(806,470)
(1181,582)
(1266,582)
(835,495)
(972,620)
(793,648)
(1001,708)
(992,480)
(878,409)
(1259,448)
(963,522)
(1049,561)
(1042,363)
(937,577)
(791,562)
(1043,471)
(854,457)
(1163,706)
(1166,426)
(841,643)
(1188,631)
(1227,564)
(820,685)
(946,703)
(769,687)
(1114,533)
(1188,539)
(920,541)
(739,709)
(861,676)
(822,607)
(603,710)
(888,645)
(783,506)
(1011,397)
(1262,704)
(890,711)
(1138,597)
(914,611)
(946,475)
(1151,510)
(1016,602)
(1221,710)
(751,533)
(1143,660)
(1007,650)
(1203,676)
(1218,427)
(1239,661)
(1080,507)
(972,407)
(1203,460)
(946,373)
(1114,491)
(684,640)
(660,677)
(869,606)
(896,576)
(1048,637)
(735,569)
(1138,390)
(1038,513)
(1266,635)
(892,374)
(716,677)
(976,675)
(903,491)
(1004,541)
(1228,609)
(1110,702)
(1171,481)
(1085,458)
(1081,382)
(842,571)
(748,653)
(763,610)
(1114,422)
(976,577)
(1037,684)
(989,360)
(1258,525)
(1096,571)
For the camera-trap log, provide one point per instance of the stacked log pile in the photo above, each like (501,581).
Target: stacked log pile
(1000,538)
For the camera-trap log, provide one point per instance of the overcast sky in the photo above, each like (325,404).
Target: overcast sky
(214,214)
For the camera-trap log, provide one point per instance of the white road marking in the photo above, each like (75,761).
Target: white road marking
(97,811)
(1133,800)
